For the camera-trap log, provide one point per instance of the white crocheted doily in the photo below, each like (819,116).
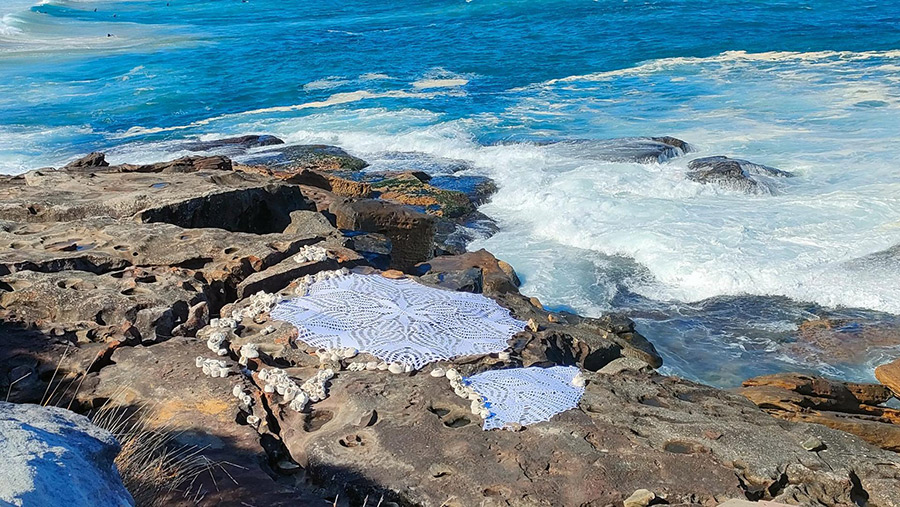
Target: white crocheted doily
(398,320)
(526,395)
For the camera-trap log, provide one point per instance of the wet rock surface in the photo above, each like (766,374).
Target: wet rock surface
(735,174)
(105,296)
(643,150)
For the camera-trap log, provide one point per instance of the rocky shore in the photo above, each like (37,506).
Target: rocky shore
(114,278)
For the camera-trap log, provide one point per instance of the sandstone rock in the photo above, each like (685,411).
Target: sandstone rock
(411,233)
(796,397)
(95,159)
(102,245)
(590,455)
(316,156)
(309,223)
(301,176)
(617,366)
(889,375)
(640,498)
(89,307)
(479,271)
(279,276)
(228,200)
(733,173)
(408,189)
(53,457)
(842,395)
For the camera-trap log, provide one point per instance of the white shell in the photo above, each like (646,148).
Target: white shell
(503,356)
(438,372)
(395,368)
(452,374)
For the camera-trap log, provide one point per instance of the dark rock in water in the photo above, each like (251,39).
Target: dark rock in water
(411,233)
(735,174)
(56,458)
(242,142)
(643,150)
(674,141)
(479,189)
(317,157)
(95,159)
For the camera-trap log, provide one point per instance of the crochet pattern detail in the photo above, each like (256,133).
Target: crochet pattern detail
(526,395)
(398,320)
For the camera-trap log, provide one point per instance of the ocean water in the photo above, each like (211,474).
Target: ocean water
(719,280)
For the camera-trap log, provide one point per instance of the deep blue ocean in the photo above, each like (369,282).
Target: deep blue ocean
(719,280)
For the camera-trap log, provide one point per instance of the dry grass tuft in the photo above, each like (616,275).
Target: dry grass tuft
(153,466)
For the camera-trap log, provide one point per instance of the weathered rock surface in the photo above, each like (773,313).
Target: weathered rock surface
(53,457)
(633,149)
(735,174)
(408,188)
(130,305)
(889,375)
(318,157)
(240,142)
(234,201)
(471,272)
(849,407)
(411,233)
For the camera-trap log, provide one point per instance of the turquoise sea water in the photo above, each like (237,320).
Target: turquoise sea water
(810,87)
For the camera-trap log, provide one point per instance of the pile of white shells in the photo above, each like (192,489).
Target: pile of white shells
(224,323)
(212,367)
(463,391)
(311,254)
(277,381)
(337,354)
(239,393)
(216,342)
(380,365)
(259,303)
(303,284)
(248,351)
(315,386)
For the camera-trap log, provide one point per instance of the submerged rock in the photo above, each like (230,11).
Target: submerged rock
(642,150)
(53,457)
(240,143)
(735,174)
